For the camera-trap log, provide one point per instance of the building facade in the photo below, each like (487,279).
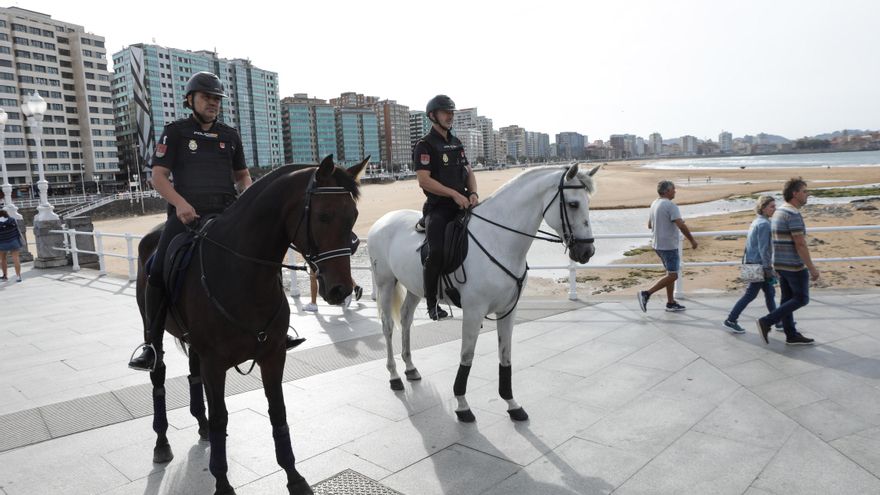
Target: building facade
(149,90)
(725,142)
(394,135)
(688,145)
(68,68)
(515,137)
(419,126)
(308,129)
(655,144)
(357,135)
(570,145)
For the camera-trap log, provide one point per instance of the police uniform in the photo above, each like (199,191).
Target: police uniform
(446,160)
(202,164)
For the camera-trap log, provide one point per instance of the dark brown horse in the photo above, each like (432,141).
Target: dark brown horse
(232,307)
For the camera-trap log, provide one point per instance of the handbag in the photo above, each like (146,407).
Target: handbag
(750,272)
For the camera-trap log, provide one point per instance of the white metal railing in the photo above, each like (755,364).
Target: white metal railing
(57,200)
(70,247)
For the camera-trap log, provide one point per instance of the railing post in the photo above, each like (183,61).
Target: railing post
(679,282)
(291,260)
(132,271)
(99,247)
(74,251)
(572,281)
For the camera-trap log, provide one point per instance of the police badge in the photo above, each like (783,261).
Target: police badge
(445,159)
(193,145)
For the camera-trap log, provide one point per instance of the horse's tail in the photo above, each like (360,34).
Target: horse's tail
(398,292)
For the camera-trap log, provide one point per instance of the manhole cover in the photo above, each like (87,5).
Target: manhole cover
(351,482)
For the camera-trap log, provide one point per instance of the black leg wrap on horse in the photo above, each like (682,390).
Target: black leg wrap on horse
(196,397)
(217,465)
(283,450)
(505,390)
(460,386)
(160,420)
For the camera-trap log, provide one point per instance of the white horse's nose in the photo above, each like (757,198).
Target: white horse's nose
(582,252)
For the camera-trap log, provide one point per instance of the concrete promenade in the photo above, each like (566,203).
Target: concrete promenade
(620,402)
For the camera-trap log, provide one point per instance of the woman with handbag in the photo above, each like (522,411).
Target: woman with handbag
(759,251)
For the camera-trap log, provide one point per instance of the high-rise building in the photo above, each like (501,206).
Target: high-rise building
(468,118)
(688,145)
(537,145)
(394,138)
(354,100)
(308,129)
(357,135)
(68,68)
(725,142)
(472,140)
(499,141)
(419,126)
(570,145)
(516,141)
(655,144)
(149,91)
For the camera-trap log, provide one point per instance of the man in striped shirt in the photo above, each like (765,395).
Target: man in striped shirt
(792,261)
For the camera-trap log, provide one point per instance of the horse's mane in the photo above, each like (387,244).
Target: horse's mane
(582,175)
(263,183)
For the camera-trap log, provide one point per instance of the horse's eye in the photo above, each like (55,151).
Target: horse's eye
(573,204)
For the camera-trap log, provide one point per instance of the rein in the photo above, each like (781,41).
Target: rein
(567,238)
(311,258)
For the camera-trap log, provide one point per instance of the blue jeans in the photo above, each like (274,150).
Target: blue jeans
(750,295)
(795,287)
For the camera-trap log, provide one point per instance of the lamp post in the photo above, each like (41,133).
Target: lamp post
(7,187)
(34,107)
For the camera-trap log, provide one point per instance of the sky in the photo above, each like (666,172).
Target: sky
(793,68)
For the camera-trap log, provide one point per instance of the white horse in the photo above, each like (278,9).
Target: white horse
(502,228)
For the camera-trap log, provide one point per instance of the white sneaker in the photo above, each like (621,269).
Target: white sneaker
(310,307)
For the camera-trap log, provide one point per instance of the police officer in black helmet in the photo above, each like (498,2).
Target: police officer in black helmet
(207,161)
(446,177)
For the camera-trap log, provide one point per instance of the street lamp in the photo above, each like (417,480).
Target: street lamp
(7,187)
(34,107)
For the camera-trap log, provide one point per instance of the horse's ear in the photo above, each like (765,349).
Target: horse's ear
(572,172)
(325,169)
(356,171)
(595,169)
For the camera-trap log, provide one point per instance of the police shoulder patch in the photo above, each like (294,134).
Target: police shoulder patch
(424,158)
(160,150)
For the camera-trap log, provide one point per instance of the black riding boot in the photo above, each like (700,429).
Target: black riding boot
(151,351)
(431,277)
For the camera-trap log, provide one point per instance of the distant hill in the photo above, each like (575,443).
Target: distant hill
(850,132)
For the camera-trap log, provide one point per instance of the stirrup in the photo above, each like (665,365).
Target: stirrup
(155,359)
(420,225)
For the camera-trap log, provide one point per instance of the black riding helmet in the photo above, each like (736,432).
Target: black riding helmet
(206,82)
(439,102)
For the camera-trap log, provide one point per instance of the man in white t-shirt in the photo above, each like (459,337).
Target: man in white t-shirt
(666,222)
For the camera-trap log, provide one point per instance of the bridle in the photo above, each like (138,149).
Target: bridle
(568,238)
(312,257)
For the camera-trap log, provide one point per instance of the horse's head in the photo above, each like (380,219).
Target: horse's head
(324,234)
(568,212)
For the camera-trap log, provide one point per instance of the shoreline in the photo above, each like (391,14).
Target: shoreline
(620,185)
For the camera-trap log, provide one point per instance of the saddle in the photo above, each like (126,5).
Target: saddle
(178,257)
(455,249)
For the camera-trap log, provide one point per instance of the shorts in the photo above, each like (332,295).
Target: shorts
(670,259)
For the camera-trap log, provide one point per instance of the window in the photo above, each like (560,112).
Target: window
(37,43)
(51,58)
(5,76)
(4,37)
(88,64)
(87,53)
(22,53)
(18,40)
(26,79)
(70,98)
(86,41)
(64,52)
(49,46)
(99,44)
(39,56)
(62,39)
(24,66)
(19,27)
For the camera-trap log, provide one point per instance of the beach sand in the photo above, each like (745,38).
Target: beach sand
(629,185)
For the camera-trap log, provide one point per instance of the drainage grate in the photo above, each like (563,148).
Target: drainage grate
(351,482)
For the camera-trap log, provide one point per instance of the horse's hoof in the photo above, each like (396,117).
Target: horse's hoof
(465,416)
(397,384)
(300,488)
(227,490)
(412,375)
(162,454)
(518,414)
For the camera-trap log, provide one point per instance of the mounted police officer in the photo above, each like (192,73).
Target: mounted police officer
(446,177)
(207,161)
